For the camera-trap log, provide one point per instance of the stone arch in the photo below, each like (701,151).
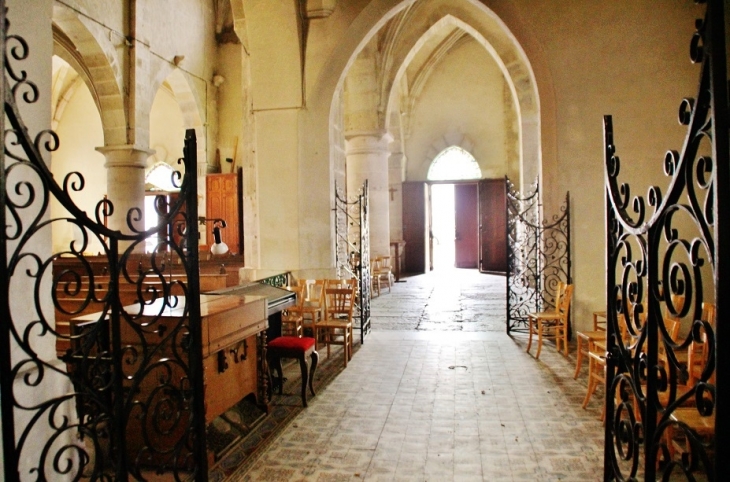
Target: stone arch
(322,105)
(90,47)
(191,106)
(494,35)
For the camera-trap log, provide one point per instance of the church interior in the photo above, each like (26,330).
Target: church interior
(294,102)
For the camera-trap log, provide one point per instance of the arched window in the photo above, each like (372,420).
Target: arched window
(159,178)
(453,164)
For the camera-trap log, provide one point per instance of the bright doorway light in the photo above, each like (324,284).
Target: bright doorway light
(443,226)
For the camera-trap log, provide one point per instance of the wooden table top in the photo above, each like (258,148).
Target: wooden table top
(175,306)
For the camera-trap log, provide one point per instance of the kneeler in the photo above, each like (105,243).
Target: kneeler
(293,347)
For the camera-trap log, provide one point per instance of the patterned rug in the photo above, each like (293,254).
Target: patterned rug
(241,436)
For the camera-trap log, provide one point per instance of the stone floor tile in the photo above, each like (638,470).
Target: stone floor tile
(440,392)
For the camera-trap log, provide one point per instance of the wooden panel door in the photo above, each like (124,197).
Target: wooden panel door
(414,226)
(224,201)
(493,225)
(467,234)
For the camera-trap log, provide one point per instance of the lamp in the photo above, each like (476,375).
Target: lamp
(218,247)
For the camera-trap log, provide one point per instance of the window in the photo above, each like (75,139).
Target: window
(158,182)
(453,164)
(159,178)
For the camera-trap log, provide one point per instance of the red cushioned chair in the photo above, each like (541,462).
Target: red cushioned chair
(293,347)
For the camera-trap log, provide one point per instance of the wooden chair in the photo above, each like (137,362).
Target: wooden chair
(374,280)
(384,272)
(585,338)
(698,352)
(292,319)
(690,417)
(296,347)
(596,370)
(552,324)
(597,360)
(313,305)
(336,328)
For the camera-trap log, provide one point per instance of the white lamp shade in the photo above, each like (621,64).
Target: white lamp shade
(219,248)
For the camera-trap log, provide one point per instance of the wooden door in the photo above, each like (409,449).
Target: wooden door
(414,226)
(467,234)
(492,225)
(224,201)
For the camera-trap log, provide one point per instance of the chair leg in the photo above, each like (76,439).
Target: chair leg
(315,361)
(579,358)
(558,337)
(529,340)
(351,342)
(539,338)
(275,364)
(345,345)
(591,384)
(305,377)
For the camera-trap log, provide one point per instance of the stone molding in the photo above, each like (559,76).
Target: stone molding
(125,156)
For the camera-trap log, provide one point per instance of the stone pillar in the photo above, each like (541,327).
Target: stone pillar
(367,158)
(125,183)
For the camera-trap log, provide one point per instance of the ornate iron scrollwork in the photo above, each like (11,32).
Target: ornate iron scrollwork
(352,250)
(538,255)
(96,383)
(662,286)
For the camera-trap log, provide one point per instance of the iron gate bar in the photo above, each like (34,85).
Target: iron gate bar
(650,257)
(353,257)
(10,459)
(83,430)
(538,256)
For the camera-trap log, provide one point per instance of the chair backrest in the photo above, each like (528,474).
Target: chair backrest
(298,290)
(563,302)
(558,295)
(339,303)
(340,283)
(374,264)
(672,323)
(385,263)
(315,292)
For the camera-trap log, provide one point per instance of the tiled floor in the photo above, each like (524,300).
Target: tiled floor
(439,392)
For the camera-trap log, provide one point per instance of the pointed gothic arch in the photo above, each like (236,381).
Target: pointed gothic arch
(454,164)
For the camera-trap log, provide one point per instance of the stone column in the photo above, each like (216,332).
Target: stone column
(125,183)
(367,158)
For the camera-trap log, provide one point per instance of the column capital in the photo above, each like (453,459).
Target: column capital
(367,142)
(125,156)
(378,133)
(320,8)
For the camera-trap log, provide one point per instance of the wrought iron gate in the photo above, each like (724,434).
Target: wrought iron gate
(667,402)
(90,388)
(352,252)
(538,255)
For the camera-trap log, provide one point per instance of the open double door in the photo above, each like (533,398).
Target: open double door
(480,220)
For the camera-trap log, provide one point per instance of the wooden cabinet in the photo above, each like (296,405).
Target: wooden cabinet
(224,200)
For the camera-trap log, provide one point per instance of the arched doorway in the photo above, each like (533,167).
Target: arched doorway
(454,233)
